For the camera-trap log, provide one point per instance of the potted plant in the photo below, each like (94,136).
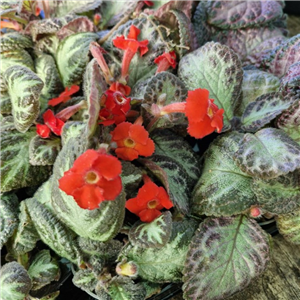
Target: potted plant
(143,143)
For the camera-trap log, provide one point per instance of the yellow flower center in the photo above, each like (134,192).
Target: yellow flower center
(91,177)
(129,143)
(210,112)
(152,204)
(120,100)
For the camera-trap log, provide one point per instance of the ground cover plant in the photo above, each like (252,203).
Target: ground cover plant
(144,143)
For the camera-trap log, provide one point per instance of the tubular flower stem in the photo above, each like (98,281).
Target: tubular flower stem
(69,111)
(97,53)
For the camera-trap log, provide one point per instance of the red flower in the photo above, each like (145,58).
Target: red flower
(149,201)
(52,123)
(131,46)
(203,115)
(94,178)
(149,3)
(64,96)
(116,107)
(132,140)
(165,61)
(119,87)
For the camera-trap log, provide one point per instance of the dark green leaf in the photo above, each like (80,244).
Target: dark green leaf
(85,279)
(18,57)
(14,40)
(5,103)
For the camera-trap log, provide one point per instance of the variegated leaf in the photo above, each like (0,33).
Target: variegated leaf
(53,232)
(16,170)
(14,40)
(164,264)
(73,55)
(280,195)
(223,189)
(43,269)
(9,207)
(24,88)
(154,234)
(5,103)
(290,83)
(264,109)
(224,256)
(43,152)
(267,154)
(18,57)
(85,279)
(217,68)
(289,226)
(15,281)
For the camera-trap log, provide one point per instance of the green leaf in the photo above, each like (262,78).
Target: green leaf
(53,232)
(94,86)
(43,152)
(255,84)
(46,69)
(279,195)
(227,14)
(85,279)
(47,45)
(73,55)
(224,256)
(123,288)
(14,40)
(223,189)
(24,88)
(15,282)
(289,226)
(289,122)
(43,269)
(290,83)
(9,207)
(16,170)
(5,103)
(154,234)
(163,89)
(60,8)
(164,264)
(267,154)
(99,224)
(264,109)
(18,57)
(214,67)
(25,237)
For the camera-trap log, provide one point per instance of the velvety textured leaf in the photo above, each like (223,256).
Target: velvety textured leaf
(5,103)
(289,122)
(14,40)
(264,109)
(47,45)
(255,84)
(60,8)
(177,167)
(154,234)
(123,288)
(7,123)
(43,152)
(85,279)
(15,281)
(24,88)
(94,86)
(228,14)
(43,269)
(282,57)
(163,89)
(289,226)
(143,67)
(73,55)
(224,256)
(18,57)
(214,67)
(244,42)
(164,264)
(9,207)
(53,232)
(16,170)
(46,69)
(279,195)
(223,189)
(268,154)
(290,83)
(25,237)
(100,224)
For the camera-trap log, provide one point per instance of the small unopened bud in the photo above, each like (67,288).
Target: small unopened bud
(129,269)
(97,18)
(255,212)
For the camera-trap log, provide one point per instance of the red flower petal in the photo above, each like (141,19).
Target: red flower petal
(70,182)
(164,198)
(111,188)
(147,192)
(49,118)
(217,120)
(148,215)
(85,161)
(132,205)
(133,32)
(121,131)
(145,150)
(89,196)
(43,130)
(108,166)
(138,133)
(196,105)
(201,129)
(57,129)
(117,86)
(127,153)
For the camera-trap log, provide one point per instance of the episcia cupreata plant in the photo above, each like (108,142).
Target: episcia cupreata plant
(143,142)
